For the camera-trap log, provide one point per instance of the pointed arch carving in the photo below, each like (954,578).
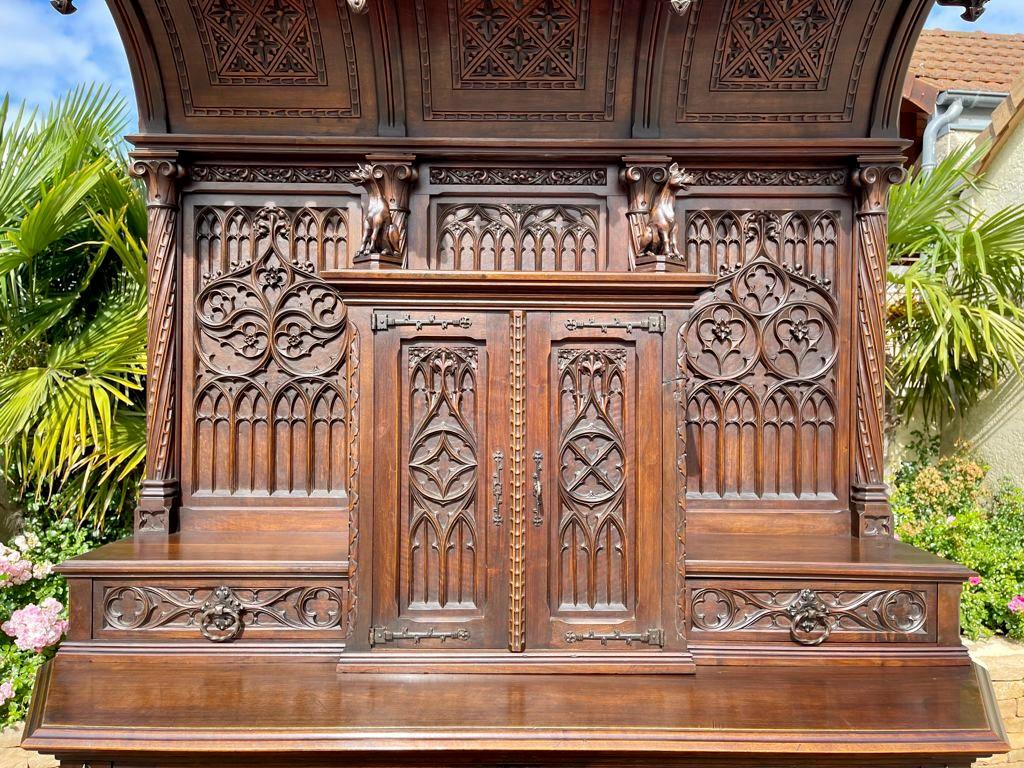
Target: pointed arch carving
(761,353)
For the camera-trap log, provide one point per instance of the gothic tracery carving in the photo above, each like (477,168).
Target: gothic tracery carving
(443,466)
(593,566)
(778,44)
(518,237)
(520,44)
(760,357)
(270,346)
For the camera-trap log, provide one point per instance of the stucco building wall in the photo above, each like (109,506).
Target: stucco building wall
(996,425)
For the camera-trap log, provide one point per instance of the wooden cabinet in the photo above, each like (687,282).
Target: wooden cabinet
(594,439)
(440,555)
(519,472)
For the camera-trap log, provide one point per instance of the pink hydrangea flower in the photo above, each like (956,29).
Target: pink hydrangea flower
(6,691)
(14,569)
(1017,604)
(974,581)
(35,627)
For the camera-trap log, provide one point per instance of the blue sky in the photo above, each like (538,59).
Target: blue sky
(43,54)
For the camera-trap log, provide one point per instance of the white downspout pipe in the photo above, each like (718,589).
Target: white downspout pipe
(944,116)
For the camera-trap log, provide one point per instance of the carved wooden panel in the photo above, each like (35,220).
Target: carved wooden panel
(519,237)
(442,512)
(595,547)
(261,58)
(154,611)
(778,44)
(808,241)
(761,353)
(593,571)
(519,44)
(248,42)
(518,176)
(814,51)
(832,612)
(443,558)
(546,62)
(268,393)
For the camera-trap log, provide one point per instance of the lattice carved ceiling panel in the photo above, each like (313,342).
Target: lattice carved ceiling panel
(778,44)
(260,41)
(520,43)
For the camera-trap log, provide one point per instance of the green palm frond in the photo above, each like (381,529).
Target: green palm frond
(955,318)
(72,305)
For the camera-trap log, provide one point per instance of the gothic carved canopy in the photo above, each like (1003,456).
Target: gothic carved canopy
(597,69)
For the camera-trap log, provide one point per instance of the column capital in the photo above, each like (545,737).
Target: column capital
(162,173)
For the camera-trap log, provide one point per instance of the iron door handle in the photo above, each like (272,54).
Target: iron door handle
(538,489)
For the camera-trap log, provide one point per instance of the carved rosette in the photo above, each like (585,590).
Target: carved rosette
(870,502)
(159,495)
(387,179)
(652,186)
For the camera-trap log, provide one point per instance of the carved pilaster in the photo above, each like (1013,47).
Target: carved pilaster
(870,502)
(160,491)
(387,179)
(653,185)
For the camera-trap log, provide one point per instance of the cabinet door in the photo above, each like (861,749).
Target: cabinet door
(594,513)
(441,403)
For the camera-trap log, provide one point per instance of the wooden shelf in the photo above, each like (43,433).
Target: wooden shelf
(840,556)
(259,552)
(648,288)
(118,705)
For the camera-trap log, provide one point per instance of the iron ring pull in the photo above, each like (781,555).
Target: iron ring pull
(538,490)
(810,626)
(220,617)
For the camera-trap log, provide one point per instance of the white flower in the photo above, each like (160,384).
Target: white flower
(26,542)
(42,570)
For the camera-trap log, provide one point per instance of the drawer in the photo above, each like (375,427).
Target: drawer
(810,613)
(221,610)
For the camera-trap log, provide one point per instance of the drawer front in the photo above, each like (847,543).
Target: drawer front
(223,610)
(810,613)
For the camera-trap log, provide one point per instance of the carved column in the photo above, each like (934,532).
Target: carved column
(160,491)
(653,184)
(388,180)
(869,497)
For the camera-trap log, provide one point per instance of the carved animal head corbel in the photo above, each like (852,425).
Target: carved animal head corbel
(357,6)
(63,7)
(973,9)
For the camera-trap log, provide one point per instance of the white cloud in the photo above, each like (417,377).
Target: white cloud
(44,54)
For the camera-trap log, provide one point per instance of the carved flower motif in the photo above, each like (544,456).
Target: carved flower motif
(721,329)
(800,330)
(273,277)
(294,341)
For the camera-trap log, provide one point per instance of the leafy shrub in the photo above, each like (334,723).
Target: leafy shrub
(47,539)
(943,505)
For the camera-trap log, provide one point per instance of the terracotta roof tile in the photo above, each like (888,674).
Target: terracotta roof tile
(976,61)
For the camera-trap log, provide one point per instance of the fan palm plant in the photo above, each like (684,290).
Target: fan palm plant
(956,290)
(72,305)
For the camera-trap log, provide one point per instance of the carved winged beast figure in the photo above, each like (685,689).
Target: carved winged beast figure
(662,232)
(381,236)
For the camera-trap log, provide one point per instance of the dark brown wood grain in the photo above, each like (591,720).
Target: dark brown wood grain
(516,381)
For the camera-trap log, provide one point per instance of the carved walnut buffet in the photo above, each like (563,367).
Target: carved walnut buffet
(516,385)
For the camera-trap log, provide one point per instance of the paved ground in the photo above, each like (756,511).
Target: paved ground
(12,757)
